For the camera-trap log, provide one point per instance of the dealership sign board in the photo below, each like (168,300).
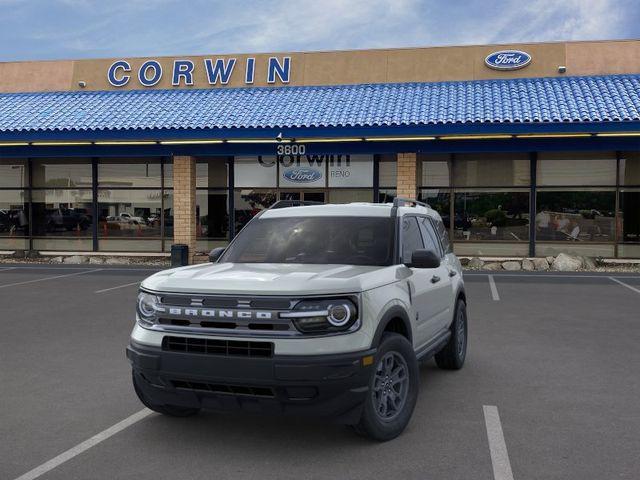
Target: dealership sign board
(507,60)
(218,71)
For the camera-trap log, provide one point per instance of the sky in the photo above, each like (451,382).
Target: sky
(74,29)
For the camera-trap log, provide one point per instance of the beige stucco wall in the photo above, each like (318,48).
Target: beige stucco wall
(345,67)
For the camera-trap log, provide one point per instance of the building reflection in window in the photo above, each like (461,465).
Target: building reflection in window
(485,216)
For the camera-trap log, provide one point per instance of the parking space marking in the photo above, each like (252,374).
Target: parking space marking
(497,445)
(625,284)
(48,278)
(84,446)
(7,268)
(540,275)
(117,287)
(494,289)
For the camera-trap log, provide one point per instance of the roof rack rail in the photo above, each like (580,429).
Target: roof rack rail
(400,201)
(293,203)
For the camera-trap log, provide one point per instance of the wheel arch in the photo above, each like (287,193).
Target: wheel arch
(394,320)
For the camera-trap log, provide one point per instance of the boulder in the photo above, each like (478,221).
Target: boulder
(55,260)
(492,266)
(549,260)
(96,260)
(528,265)
(475,263)
(566,263)
(464,261)
(540,264)
(117,261)
(511,265)
(76,259)
(589,263)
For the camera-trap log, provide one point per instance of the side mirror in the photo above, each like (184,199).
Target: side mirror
(215,254)
(424,259)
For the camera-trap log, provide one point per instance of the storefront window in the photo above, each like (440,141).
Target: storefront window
(440,201)
(129,172)
(387,171)
(212,214)
(255,171)
(576,168)
(629,223)
(249,202)
(387,195)
(488,216)
(630,168)
(13,173)
(575,216)
(14,219)
(129,213)
(491,170)
(347,195)
(62,173)
(434,170)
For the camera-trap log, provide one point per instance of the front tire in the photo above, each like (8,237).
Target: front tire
(393,390)
(169,410)
(452,356)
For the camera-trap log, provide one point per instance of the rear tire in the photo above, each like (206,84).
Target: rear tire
(169,410)
(452,356)
(393,390)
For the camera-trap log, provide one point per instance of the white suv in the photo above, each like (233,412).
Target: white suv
(321,309)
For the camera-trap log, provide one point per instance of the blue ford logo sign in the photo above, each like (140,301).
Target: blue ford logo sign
(302,175)
(507,60)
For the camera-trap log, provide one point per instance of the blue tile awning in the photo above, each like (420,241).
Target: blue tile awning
(613,100)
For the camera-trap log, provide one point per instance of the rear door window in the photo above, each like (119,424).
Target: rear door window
(430,237)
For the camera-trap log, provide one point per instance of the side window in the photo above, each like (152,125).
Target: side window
(411,238)
(430,237)
(443,234)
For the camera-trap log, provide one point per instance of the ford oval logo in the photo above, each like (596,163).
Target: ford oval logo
(302,175)
(507,60)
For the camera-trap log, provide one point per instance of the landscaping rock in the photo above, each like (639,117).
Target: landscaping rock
(117,261)
(566,263)
(76,259)
(540,264)
(589,263)
(511,265)
(549,260)
(56,260)
(96,260)
(475,263)
(464,261)
(528,265)
(492,266)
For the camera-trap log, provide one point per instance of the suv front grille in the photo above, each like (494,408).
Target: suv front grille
(226,348)
(224,389)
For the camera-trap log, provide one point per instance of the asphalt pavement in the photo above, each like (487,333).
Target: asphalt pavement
(554,355)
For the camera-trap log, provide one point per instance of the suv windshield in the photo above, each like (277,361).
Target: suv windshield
(331,240)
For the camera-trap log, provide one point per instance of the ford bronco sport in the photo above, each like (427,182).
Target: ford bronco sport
(312,309)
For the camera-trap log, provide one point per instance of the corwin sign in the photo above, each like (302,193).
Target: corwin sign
(507,60)
(218,71)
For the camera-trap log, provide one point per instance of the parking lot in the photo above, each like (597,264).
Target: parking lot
(555,355)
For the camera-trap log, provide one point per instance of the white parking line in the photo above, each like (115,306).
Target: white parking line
(494,289)
(48,278)
(625,285)
(117,287)
(497,445)
(7,268)
(540,275)
(86,445)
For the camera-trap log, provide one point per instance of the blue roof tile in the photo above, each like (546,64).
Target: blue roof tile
(532,100)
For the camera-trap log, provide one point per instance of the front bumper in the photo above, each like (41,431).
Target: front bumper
(332,386)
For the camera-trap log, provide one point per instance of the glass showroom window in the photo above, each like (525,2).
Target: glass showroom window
(349,178)
(435,182)
(491,203)
(130,201)
(255,181)
(14,205)
(62,204)
(575,204)
(387,178)
(629,206)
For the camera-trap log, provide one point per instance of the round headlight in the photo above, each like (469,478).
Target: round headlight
(339,315)
(146,305)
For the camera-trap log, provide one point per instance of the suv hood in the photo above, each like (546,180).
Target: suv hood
(271,279)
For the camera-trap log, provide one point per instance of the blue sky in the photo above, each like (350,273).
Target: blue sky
(58,29)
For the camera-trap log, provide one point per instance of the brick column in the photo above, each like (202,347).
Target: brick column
(184,203)
(407,175)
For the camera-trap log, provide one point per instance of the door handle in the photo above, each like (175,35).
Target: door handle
(452,273)
(435,279)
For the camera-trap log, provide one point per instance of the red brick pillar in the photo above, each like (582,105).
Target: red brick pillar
(407,175)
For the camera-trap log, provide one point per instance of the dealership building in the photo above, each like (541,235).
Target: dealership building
(525,150)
